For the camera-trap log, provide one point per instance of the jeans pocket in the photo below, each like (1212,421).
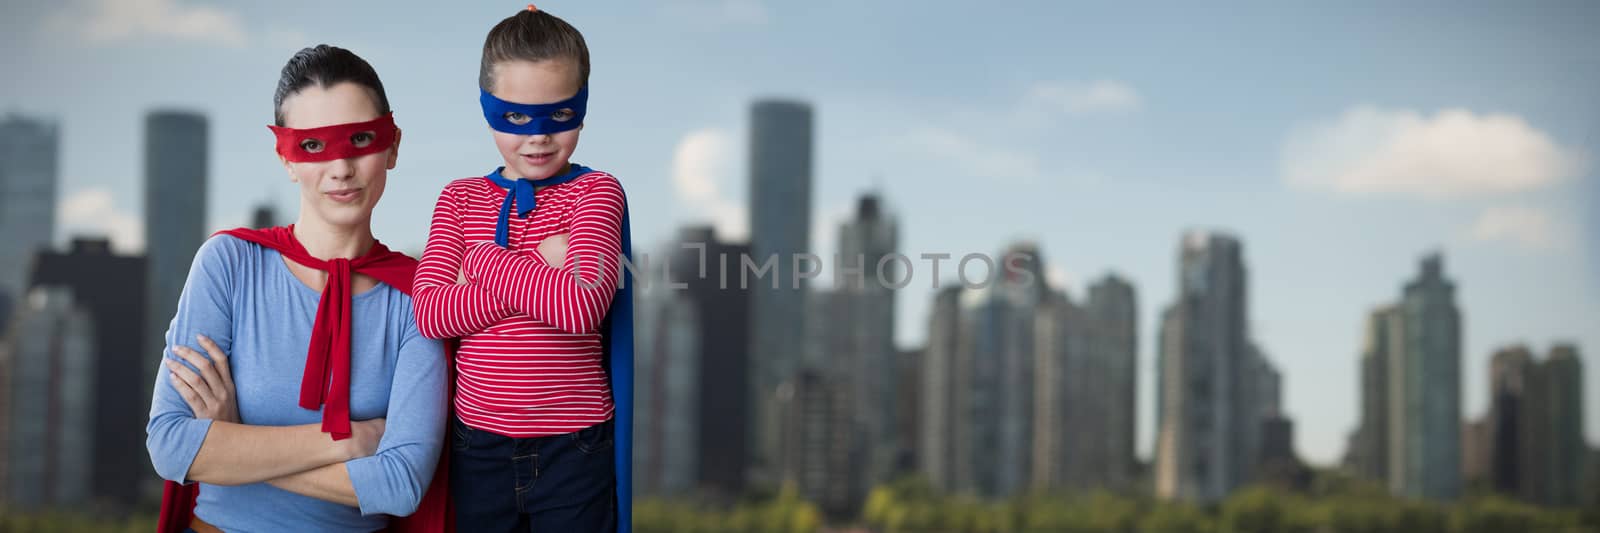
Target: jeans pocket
(460,435)
(593,439)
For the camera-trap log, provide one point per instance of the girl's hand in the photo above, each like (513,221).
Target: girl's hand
(554,250)
(208,391)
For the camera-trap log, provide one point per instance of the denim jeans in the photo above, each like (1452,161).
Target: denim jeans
(557,483)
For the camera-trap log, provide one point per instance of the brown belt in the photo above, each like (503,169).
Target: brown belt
(200,526)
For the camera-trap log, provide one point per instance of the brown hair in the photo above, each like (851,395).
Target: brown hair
(532,35)
(326,66)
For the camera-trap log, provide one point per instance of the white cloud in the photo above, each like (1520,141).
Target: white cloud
(1078,98)
(107,21)
(1524,226)
(1453,153)
(1058,277)
(94,211)
(703,179)
(971,157)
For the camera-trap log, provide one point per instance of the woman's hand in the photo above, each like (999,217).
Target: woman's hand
(364,438)
(208,391)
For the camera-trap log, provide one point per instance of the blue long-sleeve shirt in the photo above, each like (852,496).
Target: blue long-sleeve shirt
(244,298)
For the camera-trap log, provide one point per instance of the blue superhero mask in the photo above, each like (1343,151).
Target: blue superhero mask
(534,119)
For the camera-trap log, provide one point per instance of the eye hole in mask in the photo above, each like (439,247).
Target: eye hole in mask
(518,118)
(363,139)
(311,146)
(563,114)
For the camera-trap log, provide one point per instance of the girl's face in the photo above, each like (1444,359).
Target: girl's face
(536,156)
(341,192)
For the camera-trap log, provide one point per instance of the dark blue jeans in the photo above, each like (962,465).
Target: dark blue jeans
(557,483)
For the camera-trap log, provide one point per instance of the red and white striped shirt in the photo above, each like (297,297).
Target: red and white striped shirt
(529,361)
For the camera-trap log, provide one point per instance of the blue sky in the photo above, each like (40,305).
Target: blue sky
(1339,143)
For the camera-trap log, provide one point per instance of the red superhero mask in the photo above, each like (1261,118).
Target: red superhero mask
(339,141)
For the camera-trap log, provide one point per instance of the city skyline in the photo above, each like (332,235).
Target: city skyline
(1084,185)
(1027,367)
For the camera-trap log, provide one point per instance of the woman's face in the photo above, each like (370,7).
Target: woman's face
(341,192)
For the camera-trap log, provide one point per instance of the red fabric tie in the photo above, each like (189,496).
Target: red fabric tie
(326,383)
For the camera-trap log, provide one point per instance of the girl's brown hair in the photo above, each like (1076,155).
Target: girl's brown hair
(532,35)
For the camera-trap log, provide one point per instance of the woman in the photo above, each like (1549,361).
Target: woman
(337,436)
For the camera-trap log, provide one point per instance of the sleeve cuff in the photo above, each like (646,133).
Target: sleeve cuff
(192,435)
(366,476)
(478,258)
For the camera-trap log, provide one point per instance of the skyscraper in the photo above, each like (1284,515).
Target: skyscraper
(855,327)
(1475,451)
(1369,449)
(110,289)
(820,441)
(264,216)
(1208,436)
(1113,309)
(1263,406)
(667,390)
(1515,439)
(175,159)
(909,368)
(1564,377)
(1062,405)
(1083,407)
(1536,446)
(780,222)
(1425,389)
(996,348)
(28,183)
(708,268)
(943,442)
(50,426)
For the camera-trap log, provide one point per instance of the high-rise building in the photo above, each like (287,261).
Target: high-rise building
(1064,434)
(1591,477)
(999,327)
(1279,465)
(1024,389)
(264,216)
(1475,451)
(29,179)
(708,270)
(175,159)
(851,331)
(110,289)
(979,380)
(1215,386)
(1536,446)
(944,431)
(1369,448)
(667,390)
(820,442)
(1569,447)
(908,414)
(50,424)
(1084,395)
(1113,310)
(780,223)
(1425,389)
(1516,438)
